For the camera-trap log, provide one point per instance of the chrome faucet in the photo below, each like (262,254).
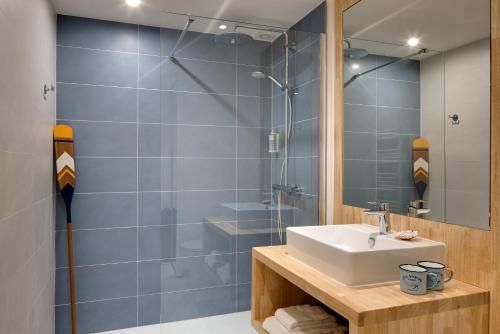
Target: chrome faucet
(382,211)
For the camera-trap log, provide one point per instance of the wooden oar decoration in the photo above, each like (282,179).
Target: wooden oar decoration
(421,165)
(66,181)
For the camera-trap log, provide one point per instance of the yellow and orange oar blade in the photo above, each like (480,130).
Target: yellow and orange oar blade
(65,163)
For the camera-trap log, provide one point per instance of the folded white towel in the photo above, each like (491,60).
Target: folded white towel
(273,326)
(293,316)
(320,324)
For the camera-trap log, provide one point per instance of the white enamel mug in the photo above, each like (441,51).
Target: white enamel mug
(413,279)
(436,274)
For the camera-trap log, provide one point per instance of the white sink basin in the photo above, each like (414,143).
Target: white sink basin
(343,252)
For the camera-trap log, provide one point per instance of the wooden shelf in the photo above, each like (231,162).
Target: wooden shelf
(279,280)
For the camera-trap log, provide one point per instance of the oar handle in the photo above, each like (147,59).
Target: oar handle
(69,234)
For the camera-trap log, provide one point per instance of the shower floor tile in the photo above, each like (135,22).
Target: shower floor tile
(221,324)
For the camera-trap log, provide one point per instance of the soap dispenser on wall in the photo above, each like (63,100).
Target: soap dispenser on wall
(274,142)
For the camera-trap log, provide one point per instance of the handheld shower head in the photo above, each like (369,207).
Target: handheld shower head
(263,75)
(259,75)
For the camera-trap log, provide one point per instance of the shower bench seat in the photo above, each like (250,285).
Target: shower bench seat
(279,280)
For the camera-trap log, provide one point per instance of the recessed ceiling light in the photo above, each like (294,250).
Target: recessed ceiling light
(133,3)
(355,66)
(223,27)
(413,41)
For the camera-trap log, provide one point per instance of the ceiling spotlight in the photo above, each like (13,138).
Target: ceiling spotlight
(413,41)
(133,3)
(223,27)
(355,66)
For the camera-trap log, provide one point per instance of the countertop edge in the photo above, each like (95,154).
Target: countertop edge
(372,304)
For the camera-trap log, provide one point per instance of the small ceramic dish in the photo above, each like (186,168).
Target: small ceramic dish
(407,235)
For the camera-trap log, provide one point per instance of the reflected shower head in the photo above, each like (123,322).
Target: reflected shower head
(353,53)
(263,75)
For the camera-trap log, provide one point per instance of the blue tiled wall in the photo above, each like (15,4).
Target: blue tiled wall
(381,119)
(163,150)
(304,77)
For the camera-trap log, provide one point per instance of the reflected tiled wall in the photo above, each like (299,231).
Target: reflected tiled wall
(172,170)
(382,117)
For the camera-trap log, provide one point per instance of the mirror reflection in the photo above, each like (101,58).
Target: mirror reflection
(417,108)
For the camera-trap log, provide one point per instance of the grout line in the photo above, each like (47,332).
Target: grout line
(159,90)
(301,121)
(236,184)
(169,191)
(138,53)
(163,124)
(154,260)
(169,157)
(382,133)
(168,225)
(385,107)
(155,294)
(137,175)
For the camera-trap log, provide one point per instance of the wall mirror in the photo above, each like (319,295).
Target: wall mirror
(417,108)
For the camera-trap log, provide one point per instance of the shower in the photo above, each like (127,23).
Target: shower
(283,187)
(263,75)
(233,39)
(354,53)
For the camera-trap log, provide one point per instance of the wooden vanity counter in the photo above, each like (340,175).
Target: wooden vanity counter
(279,280)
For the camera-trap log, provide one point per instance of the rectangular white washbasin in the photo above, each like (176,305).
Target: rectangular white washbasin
(343,252)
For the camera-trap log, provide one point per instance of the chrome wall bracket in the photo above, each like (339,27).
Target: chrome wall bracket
(189,21)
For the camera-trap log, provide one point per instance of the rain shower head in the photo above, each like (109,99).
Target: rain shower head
(263,75)
(354,53)
(233,39)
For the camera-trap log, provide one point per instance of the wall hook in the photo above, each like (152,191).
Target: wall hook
(455,119)
(46,90)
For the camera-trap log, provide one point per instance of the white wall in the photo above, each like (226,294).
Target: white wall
(432,127)
(458,82)
(27,62)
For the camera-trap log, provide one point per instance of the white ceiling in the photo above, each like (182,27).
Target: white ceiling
(276,13)
(440,24)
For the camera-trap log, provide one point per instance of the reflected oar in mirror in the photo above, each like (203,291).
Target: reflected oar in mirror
(421,165)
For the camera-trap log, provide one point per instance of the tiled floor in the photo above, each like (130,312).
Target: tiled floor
(222,324)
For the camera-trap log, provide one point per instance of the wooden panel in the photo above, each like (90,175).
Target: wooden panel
(279,280)
(287,279)
(473,254)
(468,320)
(270,291)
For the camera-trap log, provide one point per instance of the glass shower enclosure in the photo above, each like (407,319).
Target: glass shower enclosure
(226,152)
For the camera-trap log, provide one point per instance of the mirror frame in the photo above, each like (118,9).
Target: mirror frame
(347,212)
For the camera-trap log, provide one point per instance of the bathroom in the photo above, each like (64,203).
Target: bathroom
(228,166)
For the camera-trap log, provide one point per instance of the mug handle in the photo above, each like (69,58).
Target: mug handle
(450,273)
(436,279)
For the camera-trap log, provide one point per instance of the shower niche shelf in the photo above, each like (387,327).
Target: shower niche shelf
(279,280)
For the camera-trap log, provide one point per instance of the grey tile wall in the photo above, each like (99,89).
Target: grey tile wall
(303,166)
(172,167)
(381,118)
